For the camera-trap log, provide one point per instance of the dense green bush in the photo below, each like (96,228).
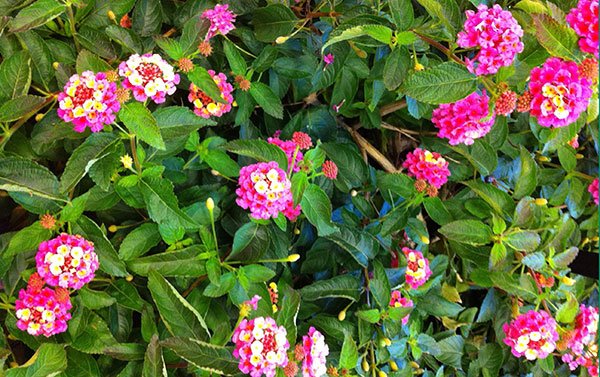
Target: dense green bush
(154,190)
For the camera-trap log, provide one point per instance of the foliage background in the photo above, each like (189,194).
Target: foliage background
(484,234)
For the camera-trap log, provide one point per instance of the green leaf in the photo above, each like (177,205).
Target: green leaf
(42,72)
(74,209)
(21,175)
(380,33)
(290,305)
(88,61)
(147,17)
(185,262)
(107,255)
(250,242)
(15,75)
(380,286)
(170,46)
(471,232)
(564,259)
(127,295)
(125,37)
(403,13)
(317,208)
(396,67)
(259,150)
(36,14)
(568,310)
(49,360)
(273,21)
(498,254)
(438,306)
(535,261)
(162,203)
(436,209)
(523,240)
(484,157)
(126,352)
(566,156)
(352,169)
(235,59)
(89,333)
(527,176)
(447,11)
(349,353)
(371,315)
(178,121)
(344,286)
(257,273)
(267,99)
(490,359)
(139,241)
(95,299)
(499,200)
(27,239)
(559,39)
(451,351)
(97,41)
(443,83)
(361,245)
(81,365)
(95,148)
(154,362)
(204,356)
(226,283)
(18,107)
(299,184)
(204,81)
(139,120)
(213,270)
(179,317)
(221,162)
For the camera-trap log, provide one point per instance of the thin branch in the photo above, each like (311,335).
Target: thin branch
(391,107)
(370,149)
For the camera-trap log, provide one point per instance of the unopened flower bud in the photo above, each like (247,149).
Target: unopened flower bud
(419,67)
(579,156)
(425,239)
(215,173)
(210,204)
(381,374)
(342,315)
(129,277)
(111,15)
(293,257)
(55,65)
(365,365)
(112,228)
(543,159)
(353,193)
(281,39)
(296,231)
(39,117)
(567,281)
(541,201)
(393,366)
(387,342)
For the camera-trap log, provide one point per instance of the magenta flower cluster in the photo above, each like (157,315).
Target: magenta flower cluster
(582,346)
(498,35)
(221,20)
(315,354)
(559,93)
(428,166)
(289,148)
(584,20)
(417,268)
(397,301)
(261,346)
(532,335)
(88,100)
(67,261)
(593,189)
(266,190)
(148,76)
(464,121)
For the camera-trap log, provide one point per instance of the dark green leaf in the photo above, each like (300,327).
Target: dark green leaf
(18,107)
(527,177)
(349,354)
(177,121)
(444,83)
(344,286)
(559,39)
(471,232)
(204,81)
(267,99)
(259,150)
(162,203)
(15,75)
(273,21)
(154,362)
(184,262)
(87,61)
(523,240)
(235,58)
(36,14)
(396,67)
(27,239)
(139,120)
(317,208)
(139,241)
(147,17)
(205,356)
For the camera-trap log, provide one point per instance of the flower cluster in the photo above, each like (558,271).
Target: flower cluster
(41,310)
(417,268)
(247,306)
(67,261)
(315,354)
(265,189)
(290,148)
(593,189)
(397,301)
(205,106)
(330,169)
(498,35)
(221,20)
(506,103)
(464,121)
(88,100)
(261,346)
(559,94)
(148,76)
(582,349)
(584,19)
(532,335)
(428,166)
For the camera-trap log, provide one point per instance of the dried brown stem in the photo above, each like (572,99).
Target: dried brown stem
(364,145)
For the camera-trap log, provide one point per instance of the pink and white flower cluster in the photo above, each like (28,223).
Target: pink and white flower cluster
(593,189)
(464,121)
(417,268)
(428,166)
(498,35)
(532,335)
(266,190)
(397,301)
(261,346)
(582,347)
(584,20)
(559,93)
(88,100)
(41,310)
(315,354)
(221,20)
(290,148)
(205,106)
(148,76)
(67,261)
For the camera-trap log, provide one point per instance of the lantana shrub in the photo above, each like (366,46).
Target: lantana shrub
(299,188)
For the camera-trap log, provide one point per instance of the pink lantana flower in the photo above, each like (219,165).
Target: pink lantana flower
(464,121)
(593,189)
(428,166)
(265,189)
(582,349)
(221,20)
(532,335)
(584,20)
(330,169)
(289,147)
(559,93)
(417,268)
(148,76)
(67,261)
(315,354)
(42,310)
(88,100)
(498,35)
(260,346)
(328,59)
(205,106)
(397,301)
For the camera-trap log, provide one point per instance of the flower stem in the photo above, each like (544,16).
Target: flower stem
(136,161)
